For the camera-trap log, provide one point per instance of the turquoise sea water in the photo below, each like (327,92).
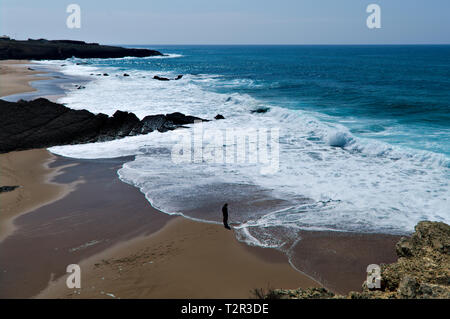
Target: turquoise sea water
(398,94)
(364,134)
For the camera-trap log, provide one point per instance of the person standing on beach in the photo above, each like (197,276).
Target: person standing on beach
(225,216)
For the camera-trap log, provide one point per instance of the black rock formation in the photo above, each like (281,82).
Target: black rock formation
(159,78)
(41,123)
(4,189)
(219,117)
(261,110)
(43,49)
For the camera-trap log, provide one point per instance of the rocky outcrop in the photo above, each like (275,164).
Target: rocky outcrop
(159,78)
(41,123)
(5,189)
(308,293)
(261,110)
(164,123)
(421,272)
(43,49)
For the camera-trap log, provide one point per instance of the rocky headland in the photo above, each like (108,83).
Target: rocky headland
(42,49)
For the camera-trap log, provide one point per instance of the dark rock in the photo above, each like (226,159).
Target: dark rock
(105,74)
(156,77)
(181,119)
(121,124)
(219,117)
(261,110)
(179,77)
(5,189)
(125,74)
(164,123)
(152,123)
(42,49)
(30,69)
(41,123)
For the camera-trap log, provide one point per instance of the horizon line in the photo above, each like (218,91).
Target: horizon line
(242,44)
(282,44)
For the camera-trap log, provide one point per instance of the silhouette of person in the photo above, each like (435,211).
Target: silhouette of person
(225,216)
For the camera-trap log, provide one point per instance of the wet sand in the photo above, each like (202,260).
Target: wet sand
(94,217)
(31,172)
(339,260)
(106,219)
(16,77)
(186,260)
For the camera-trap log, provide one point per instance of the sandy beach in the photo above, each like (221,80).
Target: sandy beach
(16,76)
(104,221)
(184,260)
(70,211)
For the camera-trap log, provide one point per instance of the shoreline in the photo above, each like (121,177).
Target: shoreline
(31,171)
(102,215)
(83,228)
(17,76)
(43,81)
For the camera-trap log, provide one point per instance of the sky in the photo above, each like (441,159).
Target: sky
(230,21)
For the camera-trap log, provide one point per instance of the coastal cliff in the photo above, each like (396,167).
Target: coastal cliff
(43,49)
(421,272)
(41,123)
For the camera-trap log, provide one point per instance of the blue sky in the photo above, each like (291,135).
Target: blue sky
(230,21)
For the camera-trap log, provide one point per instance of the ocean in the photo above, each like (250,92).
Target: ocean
(362,132)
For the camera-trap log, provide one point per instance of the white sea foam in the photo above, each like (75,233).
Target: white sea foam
(165,56)
(349,183)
